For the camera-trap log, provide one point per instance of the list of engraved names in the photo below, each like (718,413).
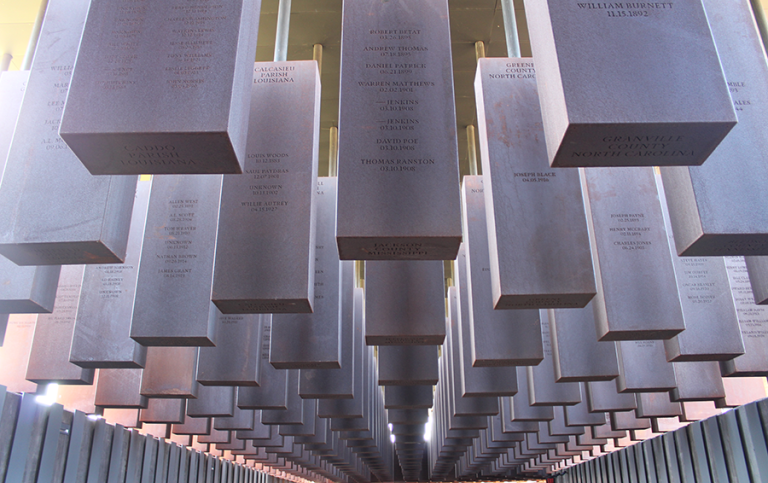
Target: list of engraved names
(396,76)
(177,253)
(186,33)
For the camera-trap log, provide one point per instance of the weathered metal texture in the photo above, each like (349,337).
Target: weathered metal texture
(352,408)
(271,392)
(656,405)
(707,305)
(120,388)
(407,416)
(543,390)
(643,367)
(405,303)
(492,341)
(588,439)
(407,397)
(200,84)
(340,383)
(501,430)
(714,213)
(294,408)
(49,354)
(55,211)
(313,341)
(165,411)
(241,420)
(213,401)
(626,420)
(173,292)
(128,418)
(192,426)
(601,110)
(27,289)
(520,407)
(260,432)
(281,451)
(603,396)
(265,261)
(712,323)
(576,353)
(397,133)
(475,381)
(580,415)
(233,445)
(697,381)
(533,447)
(216,436)
(357,407)
(407,365)
(519,182)
(462,406)
(170,372)
(103,323)
(236,359)
(605,431)
(558,426)
(307,426)
(272,438)
(752,318)
(758,278)
(631,254)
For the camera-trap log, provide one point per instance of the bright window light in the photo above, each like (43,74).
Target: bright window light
(51,391)
(428,427)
